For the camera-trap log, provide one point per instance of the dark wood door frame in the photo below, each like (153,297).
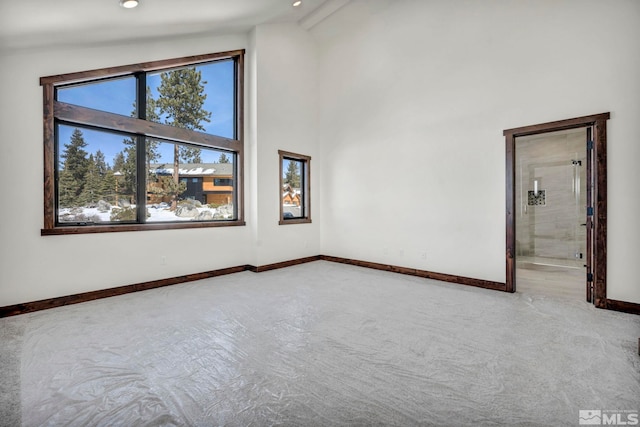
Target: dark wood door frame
(598,124)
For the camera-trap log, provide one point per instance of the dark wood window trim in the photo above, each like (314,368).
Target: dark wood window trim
(306,186)
(598,122)
(81,116)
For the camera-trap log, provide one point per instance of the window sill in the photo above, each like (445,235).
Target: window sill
(295,221)
(91,229)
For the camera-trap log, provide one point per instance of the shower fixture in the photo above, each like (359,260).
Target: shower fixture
(576,177)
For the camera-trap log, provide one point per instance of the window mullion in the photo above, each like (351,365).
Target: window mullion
(141,95)
(141,183)
(75,114)
(141,151)
(303,188)
(237,184)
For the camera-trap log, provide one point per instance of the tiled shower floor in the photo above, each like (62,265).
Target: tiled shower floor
(550,277)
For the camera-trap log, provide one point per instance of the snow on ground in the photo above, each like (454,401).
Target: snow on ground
(159,213)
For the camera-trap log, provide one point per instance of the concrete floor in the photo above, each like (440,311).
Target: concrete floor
(319,344)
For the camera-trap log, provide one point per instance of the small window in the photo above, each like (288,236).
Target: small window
(222,182)
(295,205)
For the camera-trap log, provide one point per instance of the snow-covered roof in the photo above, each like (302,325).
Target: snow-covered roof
(193,169)
(286,188)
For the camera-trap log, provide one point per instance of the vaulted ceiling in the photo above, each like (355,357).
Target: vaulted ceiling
(42,23)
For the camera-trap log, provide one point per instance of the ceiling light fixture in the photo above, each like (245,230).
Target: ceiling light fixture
(129,4)
(297,3)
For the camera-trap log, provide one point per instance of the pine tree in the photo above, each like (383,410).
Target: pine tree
(223,158)
(101,163)
(152,107)
(74,168)
(108,187)
(92,188)
(180,102)
(168,187)
(67,187)
(182,97)
(129,171)
(118,162)
(292,175)
(125,163)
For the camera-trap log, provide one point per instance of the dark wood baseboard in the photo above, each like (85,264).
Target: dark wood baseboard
(13,310)
(283,264)
(420,273)
(624,306)
(29,307)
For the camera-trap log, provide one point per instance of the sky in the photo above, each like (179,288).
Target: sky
(118,96)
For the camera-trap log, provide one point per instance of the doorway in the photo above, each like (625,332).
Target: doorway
(551,213)
(556,208)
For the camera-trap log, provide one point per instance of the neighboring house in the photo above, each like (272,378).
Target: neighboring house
(206,182)
(291,196)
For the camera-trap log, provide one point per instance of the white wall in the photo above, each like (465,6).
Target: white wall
(33,267)
(414,96)
(285,119)
(400,103)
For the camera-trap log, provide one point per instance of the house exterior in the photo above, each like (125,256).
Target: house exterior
(291,196)
(206,182)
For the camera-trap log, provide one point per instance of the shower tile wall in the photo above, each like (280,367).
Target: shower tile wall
(551,231)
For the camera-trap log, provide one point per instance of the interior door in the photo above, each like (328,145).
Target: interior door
(589,218)
(558,212)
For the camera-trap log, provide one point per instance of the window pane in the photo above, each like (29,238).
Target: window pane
(114,96)
(292,189)
(200,98)
(204,189)
(96,176)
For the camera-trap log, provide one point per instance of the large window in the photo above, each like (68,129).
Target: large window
(148,146)
(295,202)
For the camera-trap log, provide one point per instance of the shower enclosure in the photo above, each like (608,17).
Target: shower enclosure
(551,212)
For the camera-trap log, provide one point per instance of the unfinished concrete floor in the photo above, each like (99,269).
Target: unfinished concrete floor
(319,344)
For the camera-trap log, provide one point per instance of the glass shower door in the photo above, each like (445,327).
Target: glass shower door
(551,200)
(557,210)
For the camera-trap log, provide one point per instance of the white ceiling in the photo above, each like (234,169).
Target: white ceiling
(41,23)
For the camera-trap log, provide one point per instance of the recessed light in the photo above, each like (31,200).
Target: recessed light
(297,3)
(129,4)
